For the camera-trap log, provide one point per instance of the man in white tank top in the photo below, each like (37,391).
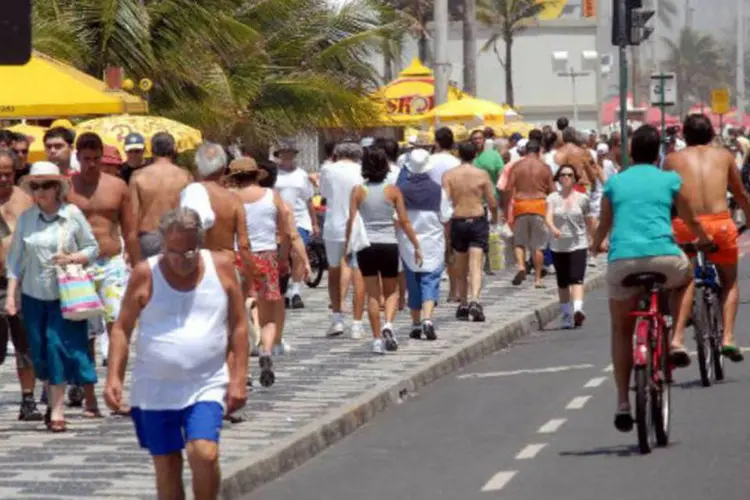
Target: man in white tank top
(191,313)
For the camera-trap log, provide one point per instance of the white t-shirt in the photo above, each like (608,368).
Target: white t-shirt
(609,169)
(569,216)
(336,183)
(295,189)
(440,163)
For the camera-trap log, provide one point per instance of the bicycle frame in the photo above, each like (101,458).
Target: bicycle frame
(649,334)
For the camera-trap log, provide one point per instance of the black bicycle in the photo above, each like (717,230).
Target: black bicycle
(316,254)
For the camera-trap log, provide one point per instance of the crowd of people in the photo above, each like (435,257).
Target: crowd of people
(193,259)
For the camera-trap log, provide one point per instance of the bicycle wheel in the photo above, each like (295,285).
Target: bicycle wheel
(317,264)
(702,330)
(717,332)
(642,413)
(660,392)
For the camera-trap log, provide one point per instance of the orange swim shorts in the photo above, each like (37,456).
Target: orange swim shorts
(721,228)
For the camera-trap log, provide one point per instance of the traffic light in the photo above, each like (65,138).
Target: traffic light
(636,18)
(15,33)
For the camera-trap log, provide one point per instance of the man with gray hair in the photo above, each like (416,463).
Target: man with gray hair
(190,310)
(221,211)
(155,189)
(336,183)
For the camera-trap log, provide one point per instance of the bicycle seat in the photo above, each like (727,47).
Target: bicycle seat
(644,280)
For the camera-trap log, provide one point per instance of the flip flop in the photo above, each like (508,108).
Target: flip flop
(92,413)
(57,426)
(732,352)
(519,278)
(679,357)
(623,420)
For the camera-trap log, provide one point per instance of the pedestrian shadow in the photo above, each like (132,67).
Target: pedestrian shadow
(612,451)
(697,384)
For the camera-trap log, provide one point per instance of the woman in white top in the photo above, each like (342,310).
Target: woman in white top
(266,215)
(568,218)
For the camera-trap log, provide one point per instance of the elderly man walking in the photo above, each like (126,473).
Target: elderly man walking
(190,311)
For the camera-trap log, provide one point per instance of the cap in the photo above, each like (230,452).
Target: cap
(522,143)
(417,160)
(111,156)
(515,136)
(602,148)
(134,141)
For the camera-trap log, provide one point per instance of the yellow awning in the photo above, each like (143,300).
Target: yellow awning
(47,88)
(468,110)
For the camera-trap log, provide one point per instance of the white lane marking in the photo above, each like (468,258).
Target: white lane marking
(551,369)
(577,403)
(499,480)
(551,426)
(609,368)
(595,382)
(530,451)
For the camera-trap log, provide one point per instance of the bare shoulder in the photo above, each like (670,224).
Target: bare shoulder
(21,197)
(113,183)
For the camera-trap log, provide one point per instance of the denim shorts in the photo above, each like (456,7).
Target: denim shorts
(422,287)
(165,432)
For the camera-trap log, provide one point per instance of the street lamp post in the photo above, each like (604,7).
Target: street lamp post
(590,61)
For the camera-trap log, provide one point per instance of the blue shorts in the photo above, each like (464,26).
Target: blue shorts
(304,234)
(422,287)
(165,432)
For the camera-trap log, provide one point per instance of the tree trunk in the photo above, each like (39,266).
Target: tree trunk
(387,66)
(423,46)
(470,46)
(509,97)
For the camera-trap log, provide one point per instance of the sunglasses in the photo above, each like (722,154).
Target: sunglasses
(189,255)
(566,175)
(35,186)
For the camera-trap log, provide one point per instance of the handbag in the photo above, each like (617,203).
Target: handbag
(78,297)
(359,240)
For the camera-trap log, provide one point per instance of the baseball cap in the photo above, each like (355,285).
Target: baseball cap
(111,156)
(515,136)
(602,148)
(522,143)
(134,141)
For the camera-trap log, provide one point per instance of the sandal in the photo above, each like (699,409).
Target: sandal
(123,411)
(57,426)
(732,352)
(92,413)
(679,357)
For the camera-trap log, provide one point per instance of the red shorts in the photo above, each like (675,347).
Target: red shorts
(722,230)
(266,280)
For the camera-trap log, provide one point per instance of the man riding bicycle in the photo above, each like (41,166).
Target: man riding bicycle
(637,208)
(707,174)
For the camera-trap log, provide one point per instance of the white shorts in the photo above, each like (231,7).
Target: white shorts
(335,253)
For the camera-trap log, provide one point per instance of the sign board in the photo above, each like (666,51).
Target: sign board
(720,101)
(663,89)
(589,8)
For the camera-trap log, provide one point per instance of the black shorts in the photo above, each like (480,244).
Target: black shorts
(570,267)
(471,232)
(12,326)
(379,259)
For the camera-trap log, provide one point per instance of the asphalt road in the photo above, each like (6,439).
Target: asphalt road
(534,422)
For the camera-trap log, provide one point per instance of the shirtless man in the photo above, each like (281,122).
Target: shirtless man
(105,201)
(13,201)
(528,186)
(155,189)
(572,153)
(470,189)
(707,174)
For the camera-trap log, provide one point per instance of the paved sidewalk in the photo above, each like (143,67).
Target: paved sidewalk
(321,381)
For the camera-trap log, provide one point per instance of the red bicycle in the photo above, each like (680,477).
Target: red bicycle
(652,371)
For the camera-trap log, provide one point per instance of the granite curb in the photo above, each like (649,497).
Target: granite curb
(244,476)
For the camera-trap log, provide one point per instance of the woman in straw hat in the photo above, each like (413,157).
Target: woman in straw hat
(266,217)
(59,347)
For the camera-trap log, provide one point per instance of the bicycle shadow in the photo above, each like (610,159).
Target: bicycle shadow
(610,451)
(697,384)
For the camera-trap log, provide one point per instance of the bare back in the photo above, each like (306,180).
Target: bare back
(156,190)
(102,204)
(11,210)
(531,179)
(577,157)
(230,218)
(469,188)
(706,173)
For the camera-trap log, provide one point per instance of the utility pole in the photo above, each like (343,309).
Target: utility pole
(740,83)
(442,65)
(470,46)
(623,53)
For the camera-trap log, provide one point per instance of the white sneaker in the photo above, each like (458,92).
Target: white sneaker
(336,328)
(282,348)
(567,321)
(11,350)
(357,331)
(377,346)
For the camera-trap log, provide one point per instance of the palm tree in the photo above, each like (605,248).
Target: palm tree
(697,61)
(470,46)
(506,19)
(259,69)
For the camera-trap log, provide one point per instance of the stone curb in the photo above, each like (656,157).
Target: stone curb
(243,477)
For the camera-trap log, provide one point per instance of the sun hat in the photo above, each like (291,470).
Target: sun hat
(246,166)
(111,156)
(42,171)
(417,160)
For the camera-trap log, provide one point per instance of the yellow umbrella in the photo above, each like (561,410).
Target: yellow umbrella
(45,87)
(35,135)
(468,110)
(114,129)
(510,128)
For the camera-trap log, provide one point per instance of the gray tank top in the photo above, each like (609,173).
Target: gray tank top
(377,214)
